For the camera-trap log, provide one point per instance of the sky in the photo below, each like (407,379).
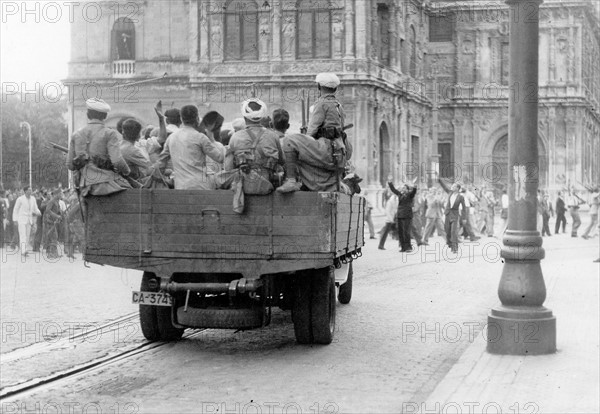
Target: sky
(34,43)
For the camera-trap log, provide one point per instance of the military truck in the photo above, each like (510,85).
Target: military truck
(206,266)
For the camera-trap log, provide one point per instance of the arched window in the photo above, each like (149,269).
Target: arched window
(402,55)
(241,30)
(383,17)
(123,39)
(313,20)
(412,44)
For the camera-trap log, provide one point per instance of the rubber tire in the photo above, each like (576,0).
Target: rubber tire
(345,292)
(148,318)
(323,305)
(221,318)
(156,320)
(165,325)
(301,308)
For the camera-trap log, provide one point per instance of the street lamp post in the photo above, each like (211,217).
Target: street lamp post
(521,325)
(28,126)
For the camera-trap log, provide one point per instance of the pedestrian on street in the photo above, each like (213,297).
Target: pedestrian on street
(546,210)
(23,215)
(560,213)
(593,214)
(416,226)
(504,211)
(36,231)
(574,201)
(434,214)
(52,219)
(456,212)
(471,203)
(406,197)
(391,208)
(369,220)
(487,204)
(13,231)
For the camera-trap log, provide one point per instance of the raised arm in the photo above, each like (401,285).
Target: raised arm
(444,186)
(162,133)
(393,189)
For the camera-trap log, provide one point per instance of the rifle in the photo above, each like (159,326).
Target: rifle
(57,147)
(131,181)
(303,127)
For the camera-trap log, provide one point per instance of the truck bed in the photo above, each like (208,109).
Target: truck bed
(168,231)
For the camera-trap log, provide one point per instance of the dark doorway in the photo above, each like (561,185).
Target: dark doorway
(446,160)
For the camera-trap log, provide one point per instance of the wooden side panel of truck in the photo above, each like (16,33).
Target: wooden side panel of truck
(167,231)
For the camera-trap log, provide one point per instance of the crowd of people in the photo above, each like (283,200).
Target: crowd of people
(257,155)
(45,221)
(460,213)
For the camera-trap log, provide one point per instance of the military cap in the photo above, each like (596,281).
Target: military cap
(328,80)
(98,105)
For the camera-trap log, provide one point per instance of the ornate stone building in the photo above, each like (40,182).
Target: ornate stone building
(425,83)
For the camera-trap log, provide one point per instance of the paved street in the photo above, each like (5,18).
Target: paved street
(406,342)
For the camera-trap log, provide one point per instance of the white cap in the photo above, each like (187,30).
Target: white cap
(328,79)
(251,114)
(96,104)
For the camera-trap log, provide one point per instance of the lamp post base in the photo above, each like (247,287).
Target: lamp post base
(521,330)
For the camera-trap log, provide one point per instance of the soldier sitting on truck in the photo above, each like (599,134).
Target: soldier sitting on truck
(95,154)
(255,150)
(187,149)
(318,164)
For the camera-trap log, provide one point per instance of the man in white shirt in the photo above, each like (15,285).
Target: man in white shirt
(188,149)
(25,208)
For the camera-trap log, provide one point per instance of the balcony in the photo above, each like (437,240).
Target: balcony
(123,69)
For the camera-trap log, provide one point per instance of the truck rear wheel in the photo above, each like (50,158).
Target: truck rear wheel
(148,318)
(313,311)
(165,325)
(156,320)
(323,305)
(301,308)
(345,293)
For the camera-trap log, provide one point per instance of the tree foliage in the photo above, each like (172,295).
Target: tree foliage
(48,124)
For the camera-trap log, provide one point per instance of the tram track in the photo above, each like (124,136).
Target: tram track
(87,367)
(50,344)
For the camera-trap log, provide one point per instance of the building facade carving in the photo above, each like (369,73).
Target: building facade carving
(394,77)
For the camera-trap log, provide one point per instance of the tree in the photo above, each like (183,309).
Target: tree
(48,124)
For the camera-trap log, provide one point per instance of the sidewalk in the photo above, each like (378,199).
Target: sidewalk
(567,381)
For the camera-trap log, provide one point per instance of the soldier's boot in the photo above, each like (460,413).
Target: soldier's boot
(291,183)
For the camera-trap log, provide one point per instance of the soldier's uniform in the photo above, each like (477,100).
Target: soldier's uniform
(95,156)
(255,150)
(326,118)
(319,162)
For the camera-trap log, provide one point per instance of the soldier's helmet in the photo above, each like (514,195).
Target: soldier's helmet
(328,80)
(254,109)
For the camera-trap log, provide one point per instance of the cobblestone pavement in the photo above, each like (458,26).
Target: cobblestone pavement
(410,320)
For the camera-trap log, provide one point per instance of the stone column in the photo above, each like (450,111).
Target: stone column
(349,29)
(194,29)
(276,16)
(362,37)
(521,325)
(203,32)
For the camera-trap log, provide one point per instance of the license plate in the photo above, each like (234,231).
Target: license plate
(151,298)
